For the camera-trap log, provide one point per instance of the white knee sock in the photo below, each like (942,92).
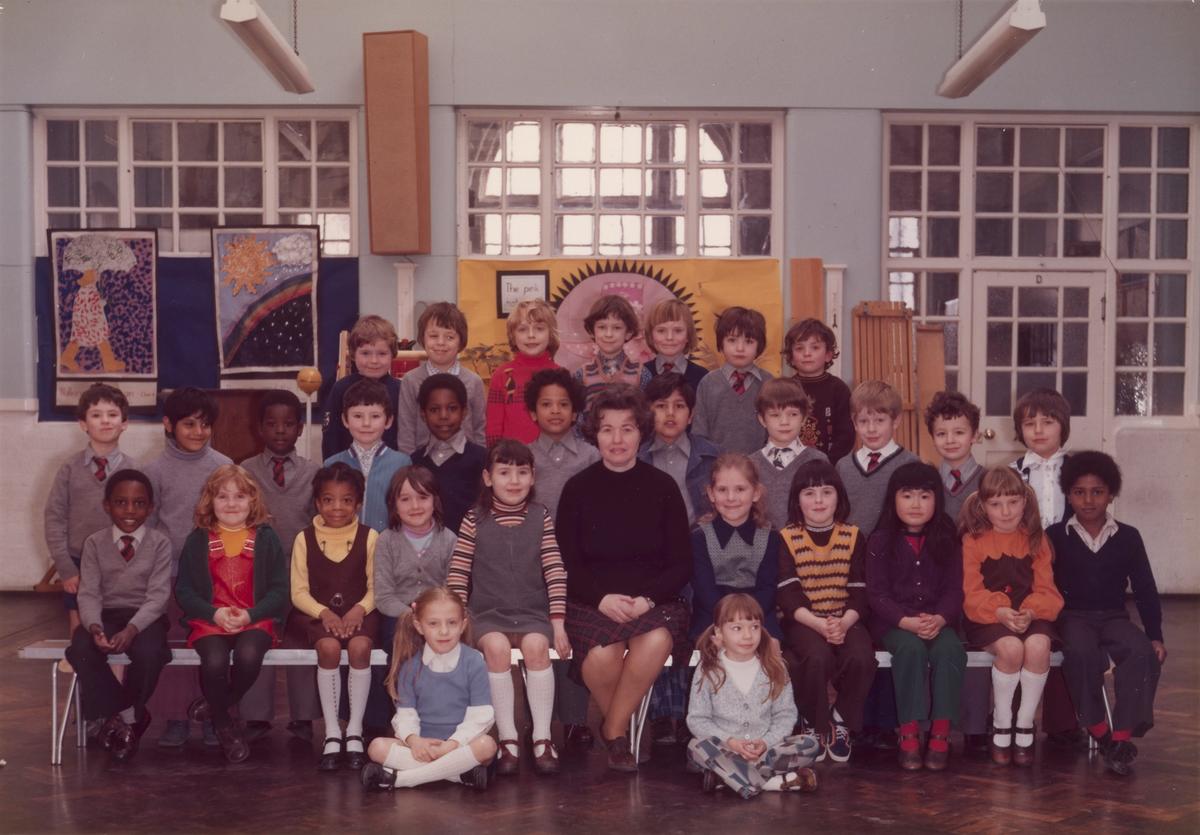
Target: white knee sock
(1004,685)
(449,767)
(1032,685)
(329,688)
(400,758)
(503,700)
(360,686)
(539,688)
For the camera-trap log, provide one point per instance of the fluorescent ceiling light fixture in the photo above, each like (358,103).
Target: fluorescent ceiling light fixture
(1015,28)
(258,33)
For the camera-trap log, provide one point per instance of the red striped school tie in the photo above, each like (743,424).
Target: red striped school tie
(101,467)
(277,463)
(127,548)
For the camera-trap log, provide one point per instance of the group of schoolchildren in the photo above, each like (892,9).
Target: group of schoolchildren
(420,535)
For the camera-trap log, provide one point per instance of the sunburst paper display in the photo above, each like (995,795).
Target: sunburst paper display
(706,286)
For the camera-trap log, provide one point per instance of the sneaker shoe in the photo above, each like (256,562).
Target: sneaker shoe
(376,778)
(175,735)
(838,744)
(210,735)
(1119,757)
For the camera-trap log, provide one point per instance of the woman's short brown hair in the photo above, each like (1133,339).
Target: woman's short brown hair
(619,398)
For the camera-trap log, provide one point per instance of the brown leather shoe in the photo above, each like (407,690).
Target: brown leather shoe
(508,757)
(547,761)
(233,744)
(910,760)
(620,758)
(936,760)
(1023,754)
(1001,754)
(109,731)
(800,780)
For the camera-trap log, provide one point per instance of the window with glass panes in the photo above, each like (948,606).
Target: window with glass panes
(185,175)
(578,185)
(1108,196)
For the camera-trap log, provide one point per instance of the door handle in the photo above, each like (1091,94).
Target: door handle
(989,434)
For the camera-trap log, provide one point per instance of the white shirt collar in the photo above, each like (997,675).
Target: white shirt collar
(795,447)
(752,369)
(1033,461)
(453,369)
(112,458)
(456,444)
(885,452)
(683,443)
(680,363)
(1106,533)
(441,662)
(137,535)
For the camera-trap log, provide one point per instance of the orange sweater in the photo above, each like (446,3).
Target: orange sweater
(999,571)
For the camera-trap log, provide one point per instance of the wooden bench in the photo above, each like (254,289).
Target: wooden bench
(55,650)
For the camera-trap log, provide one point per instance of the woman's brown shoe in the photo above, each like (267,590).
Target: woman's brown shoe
(620,758)
(547,761)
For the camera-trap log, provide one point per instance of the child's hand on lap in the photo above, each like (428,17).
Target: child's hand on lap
(439,748)
(422,748)
(121,641)
(71,586)
(352,621)
(562,645)
(1160,651)
(1012,619)
(835,631)
(913,624)
(224,618)
(745,748)
(931,625)
(240,618)
(99,638)
(331,622)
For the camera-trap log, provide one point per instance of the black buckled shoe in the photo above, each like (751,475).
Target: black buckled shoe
(333,760)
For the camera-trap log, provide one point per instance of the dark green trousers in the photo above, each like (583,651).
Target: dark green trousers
(920,668)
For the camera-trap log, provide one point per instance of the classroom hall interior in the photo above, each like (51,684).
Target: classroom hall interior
(1035,226)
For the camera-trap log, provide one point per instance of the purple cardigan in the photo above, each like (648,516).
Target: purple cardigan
(901,584)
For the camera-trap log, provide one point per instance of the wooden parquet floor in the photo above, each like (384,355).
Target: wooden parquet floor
(278,790)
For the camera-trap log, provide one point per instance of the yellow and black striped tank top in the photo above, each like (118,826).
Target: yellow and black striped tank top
(823,570)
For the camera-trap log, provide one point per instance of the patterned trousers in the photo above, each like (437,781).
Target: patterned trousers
(747,778)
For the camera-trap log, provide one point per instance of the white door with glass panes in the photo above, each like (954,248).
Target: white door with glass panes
(1036,330)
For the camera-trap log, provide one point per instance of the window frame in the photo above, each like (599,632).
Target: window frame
(1107,262)
(269,117)
(547,117)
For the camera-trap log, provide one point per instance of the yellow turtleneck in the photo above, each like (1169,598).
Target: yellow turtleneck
(335,544)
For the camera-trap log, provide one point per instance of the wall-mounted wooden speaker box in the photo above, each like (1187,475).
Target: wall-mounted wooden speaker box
(396,77)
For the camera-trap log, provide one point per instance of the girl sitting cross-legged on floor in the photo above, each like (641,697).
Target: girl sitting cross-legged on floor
(741,712)
(443,702)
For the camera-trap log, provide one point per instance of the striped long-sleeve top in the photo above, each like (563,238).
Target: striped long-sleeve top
(553,570)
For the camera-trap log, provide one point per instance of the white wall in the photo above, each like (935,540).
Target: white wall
(832,65)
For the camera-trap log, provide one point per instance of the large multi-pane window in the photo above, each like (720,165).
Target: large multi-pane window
(629,185)
(184,175)
(1102,205)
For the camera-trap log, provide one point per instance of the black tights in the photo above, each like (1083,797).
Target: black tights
(223,689)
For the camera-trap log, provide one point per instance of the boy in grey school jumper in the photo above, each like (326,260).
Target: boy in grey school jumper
(442,329)
(125,583)
(286,482)
(953,423)
(178,475)
(74,508)
(725,398)
(875,409)
(782,409)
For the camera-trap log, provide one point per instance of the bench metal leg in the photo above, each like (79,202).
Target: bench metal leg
(637,723)
(80,723)
(55,753)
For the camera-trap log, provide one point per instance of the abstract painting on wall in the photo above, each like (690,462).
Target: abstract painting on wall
(104,310)
(265,281)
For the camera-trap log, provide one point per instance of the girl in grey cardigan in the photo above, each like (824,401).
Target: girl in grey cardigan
(741,712)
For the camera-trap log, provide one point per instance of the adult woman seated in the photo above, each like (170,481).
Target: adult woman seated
(623,531)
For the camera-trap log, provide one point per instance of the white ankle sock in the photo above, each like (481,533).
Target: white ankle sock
(449,767)
(360,686)
(504,700)
(774,784)
(539,689)
(329,688)
(1032,685)
(1004,685)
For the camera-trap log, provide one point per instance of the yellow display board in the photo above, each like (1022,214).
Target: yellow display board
(487,288)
